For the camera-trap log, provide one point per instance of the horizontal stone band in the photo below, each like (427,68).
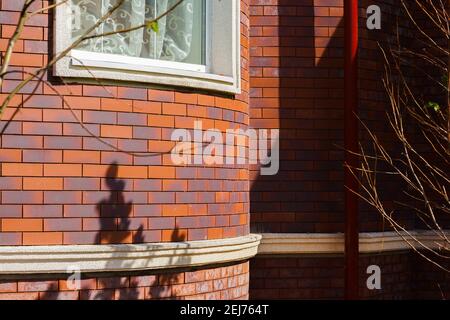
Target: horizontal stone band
(156,256)
(329,243)
(133,257)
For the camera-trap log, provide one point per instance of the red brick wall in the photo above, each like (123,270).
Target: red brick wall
(296,81)
(374,103)
(59,185)
(404,275)
(228,283)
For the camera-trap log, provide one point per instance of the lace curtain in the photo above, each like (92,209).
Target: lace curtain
(172,42)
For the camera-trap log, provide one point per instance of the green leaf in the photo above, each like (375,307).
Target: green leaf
(154,26)
(433,105)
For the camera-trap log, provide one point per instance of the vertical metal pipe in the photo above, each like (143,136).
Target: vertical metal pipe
(351,145)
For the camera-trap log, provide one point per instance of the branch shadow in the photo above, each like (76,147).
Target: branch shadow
(116,228)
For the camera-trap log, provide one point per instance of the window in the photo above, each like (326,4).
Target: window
(194,45)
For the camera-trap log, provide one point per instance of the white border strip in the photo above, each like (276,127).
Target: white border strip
(156,256)
(333,243)
(107,258)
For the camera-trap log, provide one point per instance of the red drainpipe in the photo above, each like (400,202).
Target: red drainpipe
(351,145)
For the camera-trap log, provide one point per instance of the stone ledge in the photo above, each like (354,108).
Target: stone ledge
(333,243)
(122,257)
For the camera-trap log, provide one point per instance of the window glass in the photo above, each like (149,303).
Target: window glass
(180,36)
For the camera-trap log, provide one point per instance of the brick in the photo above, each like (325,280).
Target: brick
(10,155)
(64,143)
(62,197)
(195,276)
(116,131)
(116,157)
(184,289)
(156,172)
(149,210)
(80,238)
(174,185)
(131,119)
(160,121)
(107,294)
(75,129)
(115,237)
(81,156)
(215,233)
(96,197)
(143,281)
(161,146)
(15,225)
(29,88)
(10,127)
(101,117)
(42,211)
(187,98)
(30,33)
(56,295)
(50,115)
(62,170)
(146,133)
(63,224)
(32,286)
(22,169)
(112,104)
(85,284)
(10,183)
(42,156)
(42,183)
(162,96)
(26,60)
(177,235)
(147,236)
(97,145)
(43,101)
(81,184)
(174,210)
(22,197)
(10,238)
(85,210)
(36,46)
(42,238)
(10,211)
(19,296)
(161,197)
(146,107)
(132,172)
(99,91)
(174,109)
(132,93)
(84,103)
(161,223)
(158,292)
(8,286)
(28,142)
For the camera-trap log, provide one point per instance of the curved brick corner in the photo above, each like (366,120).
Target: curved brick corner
(59,185)
(227,282)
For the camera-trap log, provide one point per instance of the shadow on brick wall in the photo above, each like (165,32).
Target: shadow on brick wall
(299,63)
(116,227)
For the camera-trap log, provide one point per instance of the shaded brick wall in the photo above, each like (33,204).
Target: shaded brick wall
(296,81)
(404,275)
(227,282)
(374,104)
(60,185)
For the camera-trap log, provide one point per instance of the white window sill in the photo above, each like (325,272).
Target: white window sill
(82,64)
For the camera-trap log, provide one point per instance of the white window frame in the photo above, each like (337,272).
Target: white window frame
(221,72)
